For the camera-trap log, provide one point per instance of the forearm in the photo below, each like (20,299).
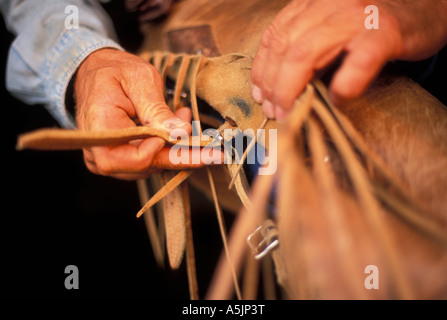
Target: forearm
(45,54)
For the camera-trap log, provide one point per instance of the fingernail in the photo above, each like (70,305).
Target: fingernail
(257,94)
(174,123)
(177,127)
(269,109)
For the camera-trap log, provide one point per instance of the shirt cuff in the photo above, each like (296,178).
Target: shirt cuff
(71,49)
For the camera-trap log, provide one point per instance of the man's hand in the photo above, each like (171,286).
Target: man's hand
(307,35)
(116,90)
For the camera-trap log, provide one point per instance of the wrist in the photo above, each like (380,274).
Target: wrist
(94,59)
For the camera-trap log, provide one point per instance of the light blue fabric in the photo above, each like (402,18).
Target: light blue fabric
(45,53)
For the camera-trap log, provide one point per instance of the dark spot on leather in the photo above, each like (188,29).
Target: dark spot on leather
(242,104)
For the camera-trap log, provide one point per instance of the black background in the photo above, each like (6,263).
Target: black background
(55,213)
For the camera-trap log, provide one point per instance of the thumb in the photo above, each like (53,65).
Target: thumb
(146,94)
(158,115)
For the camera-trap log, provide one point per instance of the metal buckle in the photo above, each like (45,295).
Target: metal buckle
(215,135)
(264,239)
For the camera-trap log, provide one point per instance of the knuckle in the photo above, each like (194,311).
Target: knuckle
(102,73)
(389,21)
(148,69)
(279,44)
(275,38)
(143,73)
(155,111)
(267,36)
(301,50)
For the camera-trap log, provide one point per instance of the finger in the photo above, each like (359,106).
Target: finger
(91,166)
(139,160)
(185,115)
(193,158)
(362,64)
(131,158)
(280,114)
(164,159)
(313,51)
(289,13)
(135,176)
(259,63)
(107,107)
(282,36)
(145,89)
(127,158)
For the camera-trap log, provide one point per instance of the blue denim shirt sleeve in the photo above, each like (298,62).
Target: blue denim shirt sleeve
(46,53)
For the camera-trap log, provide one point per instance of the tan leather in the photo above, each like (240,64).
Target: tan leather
(236,26)
(360,184)
(399,122)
